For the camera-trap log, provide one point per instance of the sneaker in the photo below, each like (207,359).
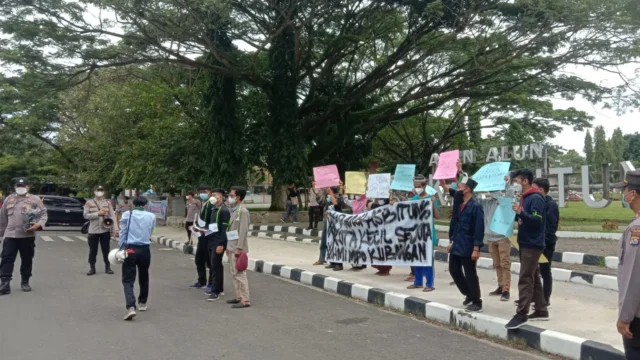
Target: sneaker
(213,297)
(296,222)
(197,285)
(233,301)
(497,292)
(505,296)
(142,306)
(517,322)
(536,316)
(466,301)
(131,313)
(209,290)
(25,286)
(474,308)
(330,266)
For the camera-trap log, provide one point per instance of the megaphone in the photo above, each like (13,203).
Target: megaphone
(107,222)
(117,256)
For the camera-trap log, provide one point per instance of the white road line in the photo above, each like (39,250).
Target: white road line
(81,238)
(65,238)
(46,238)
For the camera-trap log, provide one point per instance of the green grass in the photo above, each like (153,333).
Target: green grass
(578,211)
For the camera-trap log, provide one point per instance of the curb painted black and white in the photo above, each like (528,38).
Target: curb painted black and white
(545,340)
(566,257)
(607,282)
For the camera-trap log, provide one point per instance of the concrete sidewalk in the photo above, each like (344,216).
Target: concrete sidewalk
(577,310)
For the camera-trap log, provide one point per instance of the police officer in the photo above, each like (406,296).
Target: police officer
(16,238)
(96,211)
(629,269)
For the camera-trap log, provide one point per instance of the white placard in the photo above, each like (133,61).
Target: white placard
(213,228)
(399,234)
(201,222)
(378,186)
(232,235)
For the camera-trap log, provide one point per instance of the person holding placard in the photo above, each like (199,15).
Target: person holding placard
(422,272)
(238,244)
(317,199)
(531,240)
(336,202)
(198,229)
(464,249)
(217,225)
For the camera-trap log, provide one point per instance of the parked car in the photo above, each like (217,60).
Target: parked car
(63,210)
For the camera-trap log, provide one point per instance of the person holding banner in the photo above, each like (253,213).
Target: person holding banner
(531,240)
(422,272)
(464,249)
(336,202)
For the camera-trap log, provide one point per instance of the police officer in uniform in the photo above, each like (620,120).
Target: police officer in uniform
(96,211)
(16,238)
(629,270)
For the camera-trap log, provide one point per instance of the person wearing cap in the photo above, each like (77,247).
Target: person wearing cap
(531,240)
(218,223)
(629,269)
(201,221)
(97,211)
(464,249)
(136,228)
(17,239)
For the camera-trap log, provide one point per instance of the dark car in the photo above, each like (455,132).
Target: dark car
(63,210)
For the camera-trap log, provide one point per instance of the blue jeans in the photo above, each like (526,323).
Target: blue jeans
(323,244)
(421,272)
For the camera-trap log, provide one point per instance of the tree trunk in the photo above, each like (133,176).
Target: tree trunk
(287,157)
(278,198)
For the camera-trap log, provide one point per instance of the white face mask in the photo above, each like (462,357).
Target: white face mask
(517,188)
(419,191)
(99,193)
(21,190)
(232,200)
(381,202)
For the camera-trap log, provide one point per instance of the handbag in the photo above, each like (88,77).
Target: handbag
(243,262)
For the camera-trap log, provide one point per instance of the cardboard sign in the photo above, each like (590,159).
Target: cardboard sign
(326,176)
(447,165)
(378,186)
(403,178)
(356,182)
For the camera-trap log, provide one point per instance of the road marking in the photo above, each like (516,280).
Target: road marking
(81,238)
(65,238)
(46,238)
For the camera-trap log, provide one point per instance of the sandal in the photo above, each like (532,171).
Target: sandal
(410,287)
(410,278)
(318,263)
(428,289)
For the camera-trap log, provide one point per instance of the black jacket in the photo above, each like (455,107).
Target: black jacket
(457,200)
(531,233)
(468,230)
(221,216)
(551,221)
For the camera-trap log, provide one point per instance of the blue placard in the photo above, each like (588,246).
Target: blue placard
(504,217)
(403,178)
(491,176)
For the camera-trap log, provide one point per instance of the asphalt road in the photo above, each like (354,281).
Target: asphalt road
(71,316)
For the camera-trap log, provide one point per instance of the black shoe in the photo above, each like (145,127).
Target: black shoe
(213,297)
(497,292)
(330,266)
(5,287)
(25,286)
(474,308)
(338,268)
(466,301)
(91,272)
(234,301)
(539,316)
(505,296)
(108,271)
(517,322)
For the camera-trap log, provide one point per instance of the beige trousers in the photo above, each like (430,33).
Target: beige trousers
(240,281)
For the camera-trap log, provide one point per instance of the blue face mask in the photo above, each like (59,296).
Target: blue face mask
(624,203)
(204,197)
(329,198)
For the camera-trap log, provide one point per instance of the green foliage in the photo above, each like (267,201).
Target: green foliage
(588,147)
(632,148)
(617,146)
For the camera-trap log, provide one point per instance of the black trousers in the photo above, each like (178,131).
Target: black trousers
(140,260)
(315,216)
(202,261)
(10,249)
(187,225)
(104,241)
(464,274)
(632,346)
(545,273)
(217,271)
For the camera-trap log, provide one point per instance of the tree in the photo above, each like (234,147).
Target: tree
(588,147)
(617,145)
(601,150)
(632,148)
(570,159)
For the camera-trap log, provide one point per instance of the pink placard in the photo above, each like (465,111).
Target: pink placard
(326,176)
(447,165)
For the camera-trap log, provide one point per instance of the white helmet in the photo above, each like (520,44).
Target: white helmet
(117,256)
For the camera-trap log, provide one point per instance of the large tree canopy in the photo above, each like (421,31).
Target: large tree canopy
(334,71)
